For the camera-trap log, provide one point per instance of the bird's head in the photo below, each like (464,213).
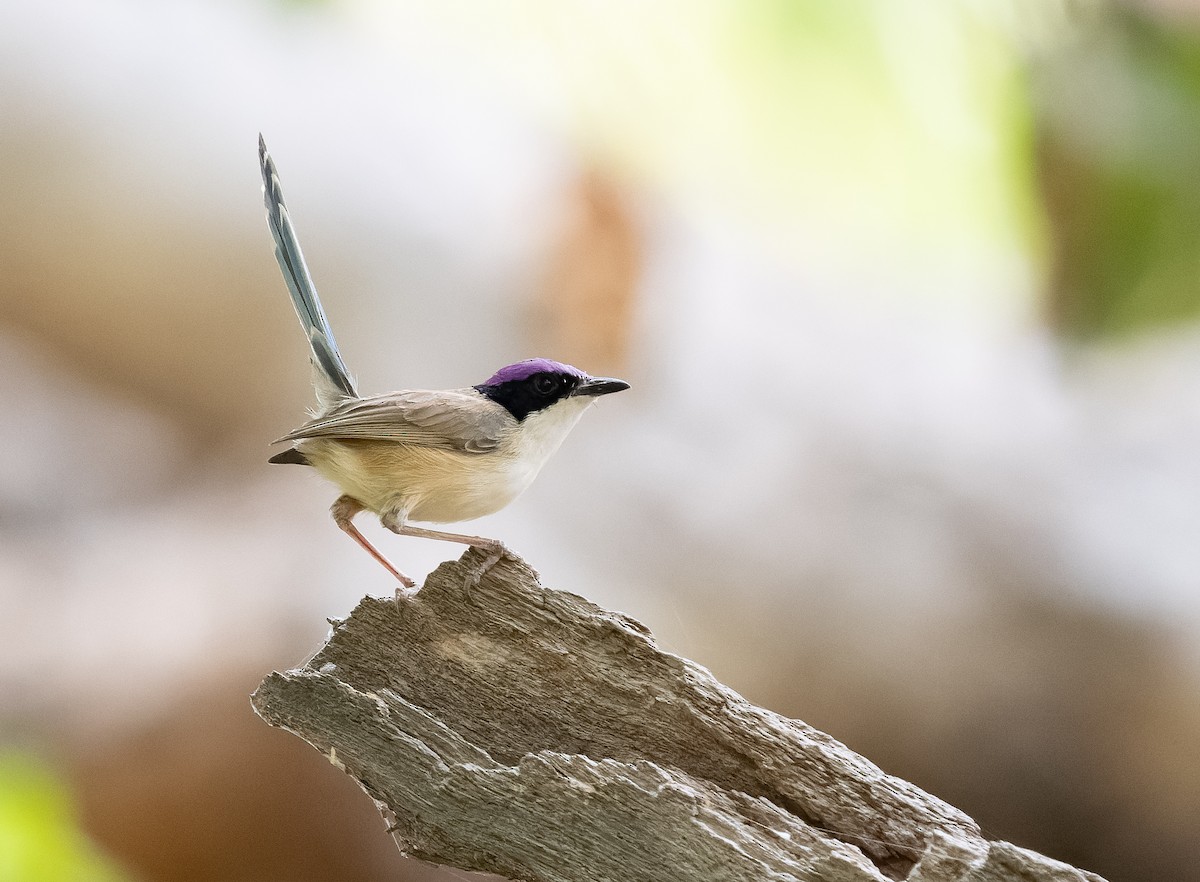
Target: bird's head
(535,384)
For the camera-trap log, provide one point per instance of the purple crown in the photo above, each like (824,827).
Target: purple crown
(523,370)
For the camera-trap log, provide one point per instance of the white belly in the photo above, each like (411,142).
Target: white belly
(444,486)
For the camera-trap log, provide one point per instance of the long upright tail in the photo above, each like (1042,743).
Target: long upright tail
(330,377)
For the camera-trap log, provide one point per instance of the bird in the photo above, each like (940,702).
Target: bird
(419,455)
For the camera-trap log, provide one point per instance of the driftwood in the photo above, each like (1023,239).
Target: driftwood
(507,728)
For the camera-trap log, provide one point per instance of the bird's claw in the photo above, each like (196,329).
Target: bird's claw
(496,551)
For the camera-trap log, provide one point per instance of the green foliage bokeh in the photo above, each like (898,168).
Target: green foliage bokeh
(40,839)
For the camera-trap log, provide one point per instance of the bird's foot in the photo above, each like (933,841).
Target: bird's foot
(495,548)
(408,588)
(496,552)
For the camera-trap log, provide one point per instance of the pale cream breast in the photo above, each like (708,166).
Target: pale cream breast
(540,436)
(428,484)
(444,486)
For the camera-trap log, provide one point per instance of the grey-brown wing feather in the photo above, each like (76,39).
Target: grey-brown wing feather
(457,419)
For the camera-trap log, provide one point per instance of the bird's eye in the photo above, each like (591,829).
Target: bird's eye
(544,384)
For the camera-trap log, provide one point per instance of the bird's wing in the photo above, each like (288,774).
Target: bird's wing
(457,419)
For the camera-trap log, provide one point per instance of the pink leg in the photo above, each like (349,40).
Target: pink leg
(343,510)
(493,545)
(394,521)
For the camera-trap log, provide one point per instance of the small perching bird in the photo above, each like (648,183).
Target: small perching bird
(440,457)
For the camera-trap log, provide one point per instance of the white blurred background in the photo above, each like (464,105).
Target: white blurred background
(907,293)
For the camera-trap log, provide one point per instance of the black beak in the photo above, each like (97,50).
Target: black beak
(593,386)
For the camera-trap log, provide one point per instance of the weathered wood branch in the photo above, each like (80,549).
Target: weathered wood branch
(526,732)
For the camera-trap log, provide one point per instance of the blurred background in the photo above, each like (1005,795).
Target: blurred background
(908,294)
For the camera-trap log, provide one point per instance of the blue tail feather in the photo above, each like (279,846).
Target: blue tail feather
(332,379)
